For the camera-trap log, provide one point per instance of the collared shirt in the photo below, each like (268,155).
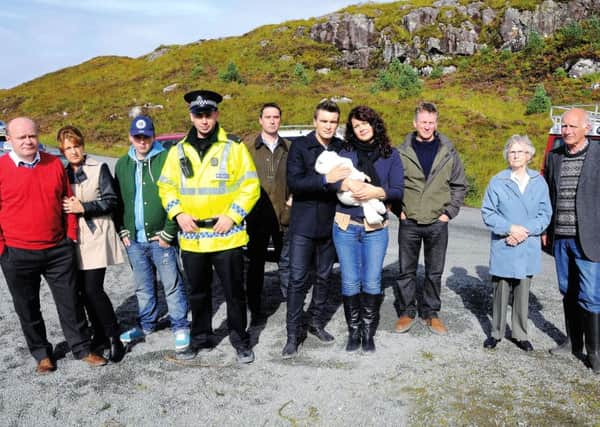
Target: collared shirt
(19,162)
(270,145)
(521,182)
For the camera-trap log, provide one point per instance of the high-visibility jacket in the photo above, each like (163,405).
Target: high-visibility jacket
(223,182)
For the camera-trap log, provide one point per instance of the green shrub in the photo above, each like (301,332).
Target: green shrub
(540,102)
(197,71)
(231,74)
(535,43)
(399,76)
(572,34)
(592,31)
(436,73)
(505,54)
(301,75)
(560,73)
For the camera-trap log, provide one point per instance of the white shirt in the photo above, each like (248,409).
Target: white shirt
(521,182)
(20,162)
(271,145)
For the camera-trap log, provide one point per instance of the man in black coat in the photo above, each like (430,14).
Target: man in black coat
(311,222)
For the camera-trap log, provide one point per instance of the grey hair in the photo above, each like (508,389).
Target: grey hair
(587,122)
(427,107)
(521,139)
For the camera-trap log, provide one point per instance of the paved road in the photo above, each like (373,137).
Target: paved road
(413,379)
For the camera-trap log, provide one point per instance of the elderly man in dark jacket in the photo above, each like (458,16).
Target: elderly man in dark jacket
(311,223)
(574,234)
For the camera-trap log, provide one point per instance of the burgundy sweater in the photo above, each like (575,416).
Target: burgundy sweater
(31,215)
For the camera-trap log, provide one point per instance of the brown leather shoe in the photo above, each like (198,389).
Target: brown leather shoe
(45,366)
(94,360)
(404,323)
(436,326)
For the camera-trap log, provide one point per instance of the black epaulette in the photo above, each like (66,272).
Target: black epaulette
(234,138)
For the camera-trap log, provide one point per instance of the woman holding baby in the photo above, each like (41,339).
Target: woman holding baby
(360,245)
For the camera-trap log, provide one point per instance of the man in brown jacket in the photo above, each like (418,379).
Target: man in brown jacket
(270,216)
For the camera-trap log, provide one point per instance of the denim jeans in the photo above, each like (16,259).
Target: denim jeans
(360,254)
(576,274)
(303,252)
(146,260)
(435,242)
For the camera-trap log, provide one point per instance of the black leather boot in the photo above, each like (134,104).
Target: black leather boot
(352,312)
(592,340)
(573,327)
(117,349)
(291,347)
(378,316)
(370,314)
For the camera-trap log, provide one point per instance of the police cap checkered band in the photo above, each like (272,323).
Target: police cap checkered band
(202,103)
(202,100)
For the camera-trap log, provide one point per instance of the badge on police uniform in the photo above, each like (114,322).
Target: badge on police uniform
(214,161)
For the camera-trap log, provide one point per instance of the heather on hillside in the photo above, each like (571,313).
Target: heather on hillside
(482,103)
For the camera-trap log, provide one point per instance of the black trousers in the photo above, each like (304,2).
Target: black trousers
(228,265)
(257,255)
(100,311)
(434,238)
(303,252)
(23,269)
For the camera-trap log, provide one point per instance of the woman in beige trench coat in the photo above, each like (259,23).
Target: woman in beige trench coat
(98,244)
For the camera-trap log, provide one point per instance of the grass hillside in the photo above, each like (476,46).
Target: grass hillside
(481,105)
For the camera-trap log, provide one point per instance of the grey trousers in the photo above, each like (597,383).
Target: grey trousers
(520,307)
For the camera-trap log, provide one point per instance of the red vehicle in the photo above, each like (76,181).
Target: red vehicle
(169,139)
(554,136)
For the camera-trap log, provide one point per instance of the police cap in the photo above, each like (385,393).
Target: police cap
(202,101)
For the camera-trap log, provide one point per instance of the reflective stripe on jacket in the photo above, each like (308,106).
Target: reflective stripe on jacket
(224,182)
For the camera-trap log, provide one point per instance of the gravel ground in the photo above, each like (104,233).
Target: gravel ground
(413,379)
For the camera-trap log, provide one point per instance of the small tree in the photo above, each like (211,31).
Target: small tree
(301,75)
(231,74)
(540,102)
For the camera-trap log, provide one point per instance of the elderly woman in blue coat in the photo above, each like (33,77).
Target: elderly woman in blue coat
(516,208)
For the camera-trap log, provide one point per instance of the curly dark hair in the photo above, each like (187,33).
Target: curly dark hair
(380,136)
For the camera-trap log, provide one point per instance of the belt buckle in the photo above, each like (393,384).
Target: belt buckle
(206,223)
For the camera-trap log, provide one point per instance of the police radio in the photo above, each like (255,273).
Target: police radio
(184,162)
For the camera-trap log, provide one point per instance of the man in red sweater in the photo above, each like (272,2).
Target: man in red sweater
(36,239)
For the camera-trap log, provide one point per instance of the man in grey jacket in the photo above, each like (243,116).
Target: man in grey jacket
(434,189)
(574,233)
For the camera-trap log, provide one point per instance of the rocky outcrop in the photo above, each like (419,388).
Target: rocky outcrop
(419,18)
(353,35)
(170,88)
(156,54)
(459,41)
(453,28)
(584,67)
(544,20)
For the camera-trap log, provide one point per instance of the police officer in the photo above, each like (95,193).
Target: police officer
(208,185)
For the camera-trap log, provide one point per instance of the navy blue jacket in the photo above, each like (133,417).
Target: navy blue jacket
(391,178)
(314,202)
